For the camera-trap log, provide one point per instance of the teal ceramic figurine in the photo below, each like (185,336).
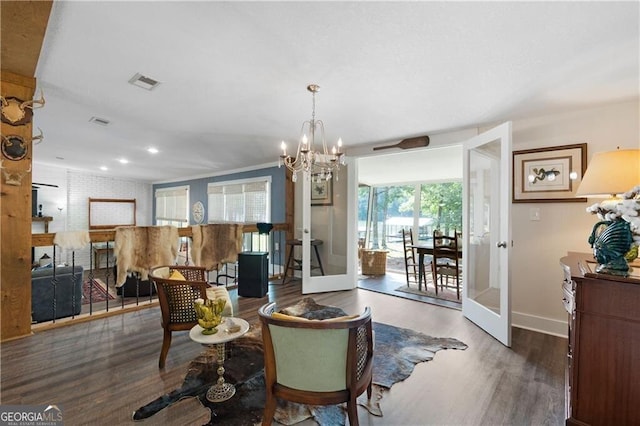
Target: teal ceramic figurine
(611,240)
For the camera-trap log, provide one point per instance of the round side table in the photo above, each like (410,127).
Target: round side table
(221,390)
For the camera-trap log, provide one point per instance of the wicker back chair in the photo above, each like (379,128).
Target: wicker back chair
(176,300)
(316,362)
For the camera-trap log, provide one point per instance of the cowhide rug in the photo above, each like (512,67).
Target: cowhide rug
(397,351)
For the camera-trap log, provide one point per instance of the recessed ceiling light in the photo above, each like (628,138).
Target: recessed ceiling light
(143,81)
(152,150)
(100,121)
(123,161)
(104,168)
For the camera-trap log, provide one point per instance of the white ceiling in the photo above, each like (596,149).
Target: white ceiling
(234,75)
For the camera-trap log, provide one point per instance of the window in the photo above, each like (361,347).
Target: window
(172,206)
(245,201)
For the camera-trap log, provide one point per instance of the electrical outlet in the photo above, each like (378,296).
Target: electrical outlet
(276,246)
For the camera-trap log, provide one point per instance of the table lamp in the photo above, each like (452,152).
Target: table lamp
(610,174)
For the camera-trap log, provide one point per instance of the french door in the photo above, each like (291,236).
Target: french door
(329,215)
(487,243)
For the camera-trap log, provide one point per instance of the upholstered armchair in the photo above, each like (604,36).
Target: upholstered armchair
(316,362)
(178,287)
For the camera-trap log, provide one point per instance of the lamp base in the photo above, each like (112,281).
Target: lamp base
(618,267)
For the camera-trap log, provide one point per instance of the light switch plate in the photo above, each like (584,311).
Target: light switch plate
(534,213)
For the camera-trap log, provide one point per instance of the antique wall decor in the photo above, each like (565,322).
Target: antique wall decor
(321,191)
(13,178)
(547,175)
(197,211)
(417,142)
(17,112)
(14,147)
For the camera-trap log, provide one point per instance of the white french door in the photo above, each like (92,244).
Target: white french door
(332,220)
(487,244)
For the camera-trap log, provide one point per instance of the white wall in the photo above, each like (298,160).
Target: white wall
(538,245)
(73,194)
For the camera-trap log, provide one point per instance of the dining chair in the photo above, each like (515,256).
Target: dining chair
(316,362)
(410,262)
(446,263)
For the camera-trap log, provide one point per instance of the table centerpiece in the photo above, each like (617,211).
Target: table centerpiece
(209,313)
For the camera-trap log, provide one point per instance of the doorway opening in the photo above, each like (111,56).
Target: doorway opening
(422,198)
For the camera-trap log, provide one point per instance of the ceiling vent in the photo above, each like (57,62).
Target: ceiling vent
(100,121)
(145,82)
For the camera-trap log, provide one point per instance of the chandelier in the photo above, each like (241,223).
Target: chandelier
(319,164)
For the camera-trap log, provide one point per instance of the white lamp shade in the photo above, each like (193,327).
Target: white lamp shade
(611,173)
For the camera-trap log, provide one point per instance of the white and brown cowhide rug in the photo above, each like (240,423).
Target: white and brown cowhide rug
(397,351)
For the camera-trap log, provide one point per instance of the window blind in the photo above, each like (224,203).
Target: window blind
(244,201)
(172,204)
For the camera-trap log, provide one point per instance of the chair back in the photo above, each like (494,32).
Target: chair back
(316,362)
(411,267)
(177,296)
(446,260)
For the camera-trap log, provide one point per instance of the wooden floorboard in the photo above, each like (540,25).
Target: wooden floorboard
(101,371)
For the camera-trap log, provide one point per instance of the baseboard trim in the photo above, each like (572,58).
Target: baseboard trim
(539,324)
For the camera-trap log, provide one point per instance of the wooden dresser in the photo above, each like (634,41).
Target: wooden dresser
(603,358)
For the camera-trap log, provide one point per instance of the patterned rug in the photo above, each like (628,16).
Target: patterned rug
(446,293)
(97,292)
(397,351)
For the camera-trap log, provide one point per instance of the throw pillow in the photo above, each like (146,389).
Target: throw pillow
(176,275)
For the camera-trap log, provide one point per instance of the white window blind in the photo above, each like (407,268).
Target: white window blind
(172,204)
(245,201)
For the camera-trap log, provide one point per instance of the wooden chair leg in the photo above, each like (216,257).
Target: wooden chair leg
(269,410)
(352,411)
(433,276)
(166,343)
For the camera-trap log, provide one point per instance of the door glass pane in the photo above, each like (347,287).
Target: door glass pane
(329,224)
(484,220)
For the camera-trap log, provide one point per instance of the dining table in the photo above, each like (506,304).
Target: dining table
(423,249)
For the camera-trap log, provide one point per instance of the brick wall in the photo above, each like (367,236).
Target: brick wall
(73,194)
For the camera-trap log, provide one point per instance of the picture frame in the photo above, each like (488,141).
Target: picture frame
(321,191)
(549,175)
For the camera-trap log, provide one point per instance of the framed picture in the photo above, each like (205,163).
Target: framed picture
(321,191)
(549,175)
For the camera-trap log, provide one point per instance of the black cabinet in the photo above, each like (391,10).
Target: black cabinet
(253,274)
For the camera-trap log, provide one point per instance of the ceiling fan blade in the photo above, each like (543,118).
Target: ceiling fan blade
(45,184)
(417,142)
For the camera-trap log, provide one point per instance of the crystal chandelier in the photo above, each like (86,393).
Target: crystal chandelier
(320,164)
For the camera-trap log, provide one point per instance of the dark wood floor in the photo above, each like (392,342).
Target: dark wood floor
(100,371)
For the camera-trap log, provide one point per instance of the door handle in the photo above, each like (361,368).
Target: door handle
(502,244)
(306,231)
